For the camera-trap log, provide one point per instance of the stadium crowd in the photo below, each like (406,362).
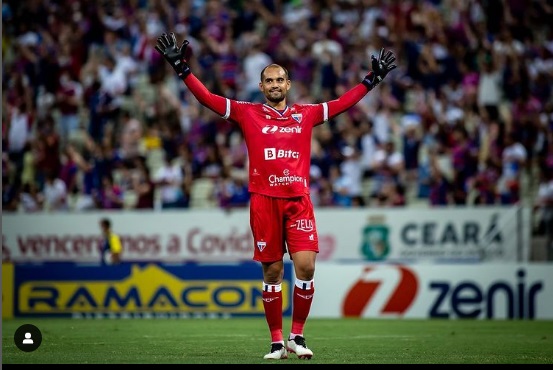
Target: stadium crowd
(93,118)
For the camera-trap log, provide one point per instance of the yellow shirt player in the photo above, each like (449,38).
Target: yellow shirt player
(111,249)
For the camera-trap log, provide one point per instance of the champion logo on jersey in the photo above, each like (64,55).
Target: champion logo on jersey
(261,246)
(297,117)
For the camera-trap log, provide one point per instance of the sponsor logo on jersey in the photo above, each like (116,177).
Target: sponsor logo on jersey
(304,225)
(272,129)
(285,179)
(269,129)
(274,153)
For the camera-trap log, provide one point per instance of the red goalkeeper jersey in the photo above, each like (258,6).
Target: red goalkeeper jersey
(278,142)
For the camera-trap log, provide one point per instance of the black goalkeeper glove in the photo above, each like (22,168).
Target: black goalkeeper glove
(380,68)
(167,46)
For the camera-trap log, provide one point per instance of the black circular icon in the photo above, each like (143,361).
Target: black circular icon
(27,337)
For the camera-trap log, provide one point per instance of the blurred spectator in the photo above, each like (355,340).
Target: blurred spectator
(19,134)
(340,188)
(89,183)
(47,149)
(327,52)
(69,170)
(321,151)
(391,194)
(383,124)
(237,154)
(110,195)
(10,197)
(143,185)
(389,166)
(439,180)
(169,180)
(254,61)
(514,159)
(151,141)
(464,161)
(30,198)
(69,98)
(411,144)
(429,68)
(485,183)
(231,191)
(369,145)
(130,136)
(315,186)
(543,209)
(100,108)
(212,163)
(28,174)
(489,84)
(55,193)
(302,65)
(113,82)
(128,65)
(352,174)
(525,114)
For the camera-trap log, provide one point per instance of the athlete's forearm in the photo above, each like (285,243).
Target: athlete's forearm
(347,100)
(212,101)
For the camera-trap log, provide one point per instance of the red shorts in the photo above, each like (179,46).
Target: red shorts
(281,223)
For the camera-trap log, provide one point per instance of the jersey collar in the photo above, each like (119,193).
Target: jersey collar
(276,111)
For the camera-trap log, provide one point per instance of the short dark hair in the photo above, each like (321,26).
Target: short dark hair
(105,222)
(272,66)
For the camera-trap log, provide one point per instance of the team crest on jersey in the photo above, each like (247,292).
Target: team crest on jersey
(297,117)
(261,246)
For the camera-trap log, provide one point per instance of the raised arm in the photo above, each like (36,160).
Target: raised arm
(381,66)
(176,57)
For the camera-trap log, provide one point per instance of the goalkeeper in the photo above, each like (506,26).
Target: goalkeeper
(278,138)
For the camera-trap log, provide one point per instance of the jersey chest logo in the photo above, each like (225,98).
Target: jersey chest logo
(297,117)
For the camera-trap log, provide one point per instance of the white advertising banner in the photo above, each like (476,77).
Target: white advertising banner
(394,235)
(467,234)
(381,290)
(169,236)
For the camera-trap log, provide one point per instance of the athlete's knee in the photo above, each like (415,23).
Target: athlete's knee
(304,271)
(273,272)
(304,264)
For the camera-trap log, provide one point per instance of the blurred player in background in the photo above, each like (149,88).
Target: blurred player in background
(112,249)
(278,137)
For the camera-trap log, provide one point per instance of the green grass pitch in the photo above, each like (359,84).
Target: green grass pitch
(246,340)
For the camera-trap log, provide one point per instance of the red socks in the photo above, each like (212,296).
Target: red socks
(272,303)
(302,299)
